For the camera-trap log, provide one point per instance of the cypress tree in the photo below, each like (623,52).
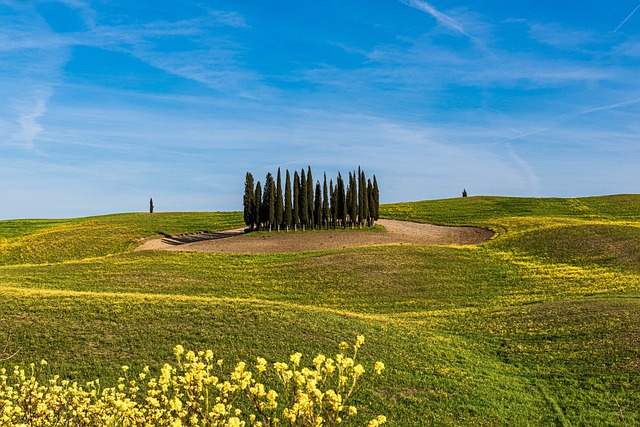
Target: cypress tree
(272,205)
(248,200)
(354,195)
(376,199)
(267,197)
(288,214)
(365,200)
(352,199)
(325,203)
(341,205)
(296,201)
(370,220)
(257,210)
(304,200)
(348,201)
(318,206)
(279,208)
(310,198)
(360,198)
(333,204)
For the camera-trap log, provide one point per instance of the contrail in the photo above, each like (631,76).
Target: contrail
(627,18)
(442,18)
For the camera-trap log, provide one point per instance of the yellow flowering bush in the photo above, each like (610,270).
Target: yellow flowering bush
(195,392)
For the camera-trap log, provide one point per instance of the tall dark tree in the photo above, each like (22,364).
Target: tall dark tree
(267,201)
(364,204)
(279,207)
(371,203)
(288,214)
(304,201)
(248,201)
(360,198)
(376,199)
(352,198)
(295,209)
(317,211)
(151,205)
(333,204)
(257,211)
(310,199)
(272,205)
(325,203)
(341,207)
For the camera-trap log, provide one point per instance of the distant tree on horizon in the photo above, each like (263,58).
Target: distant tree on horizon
(151,205)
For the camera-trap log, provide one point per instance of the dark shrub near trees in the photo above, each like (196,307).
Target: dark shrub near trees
(310,205)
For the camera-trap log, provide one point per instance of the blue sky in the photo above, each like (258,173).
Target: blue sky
(107,103)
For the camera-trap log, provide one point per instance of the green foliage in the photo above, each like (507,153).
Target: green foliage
(45,241)
(539,326)
(196,391)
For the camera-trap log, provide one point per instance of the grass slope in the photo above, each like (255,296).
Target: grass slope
(540,326)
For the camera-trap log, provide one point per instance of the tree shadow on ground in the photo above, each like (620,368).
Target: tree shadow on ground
(200,237)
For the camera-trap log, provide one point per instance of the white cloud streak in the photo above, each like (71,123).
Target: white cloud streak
(442,18)
(627,18)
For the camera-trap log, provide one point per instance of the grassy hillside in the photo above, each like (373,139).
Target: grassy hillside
(540,326)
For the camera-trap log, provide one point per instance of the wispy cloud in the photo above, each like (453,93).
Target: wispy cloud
(28,115)
(442,18)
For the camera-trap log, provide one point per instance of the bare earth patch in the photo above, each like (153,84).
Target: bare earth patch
(237,242)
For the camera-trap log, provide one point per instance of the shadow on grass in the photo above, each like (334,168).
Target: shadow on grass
(200,237)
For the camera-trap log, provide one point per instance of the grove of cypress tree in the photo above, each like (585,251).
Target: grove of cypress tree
(288,214)
(304,201)
(313,206)
(295,209)
(279,207)
(248,201)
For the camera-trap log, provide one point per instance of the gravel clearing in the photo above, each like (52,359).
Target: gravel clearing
(398,232)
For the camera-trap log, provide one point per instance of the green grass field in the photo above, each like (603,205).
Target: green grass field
(539,326)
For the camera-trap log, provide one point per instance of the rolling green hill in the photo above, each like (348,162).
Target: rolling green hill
(539,326)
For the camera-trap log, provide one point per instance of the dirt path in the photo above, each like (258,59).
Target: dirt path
(236,242)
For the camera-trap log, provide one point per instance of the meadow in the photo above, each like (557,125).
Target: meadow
(539,326)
